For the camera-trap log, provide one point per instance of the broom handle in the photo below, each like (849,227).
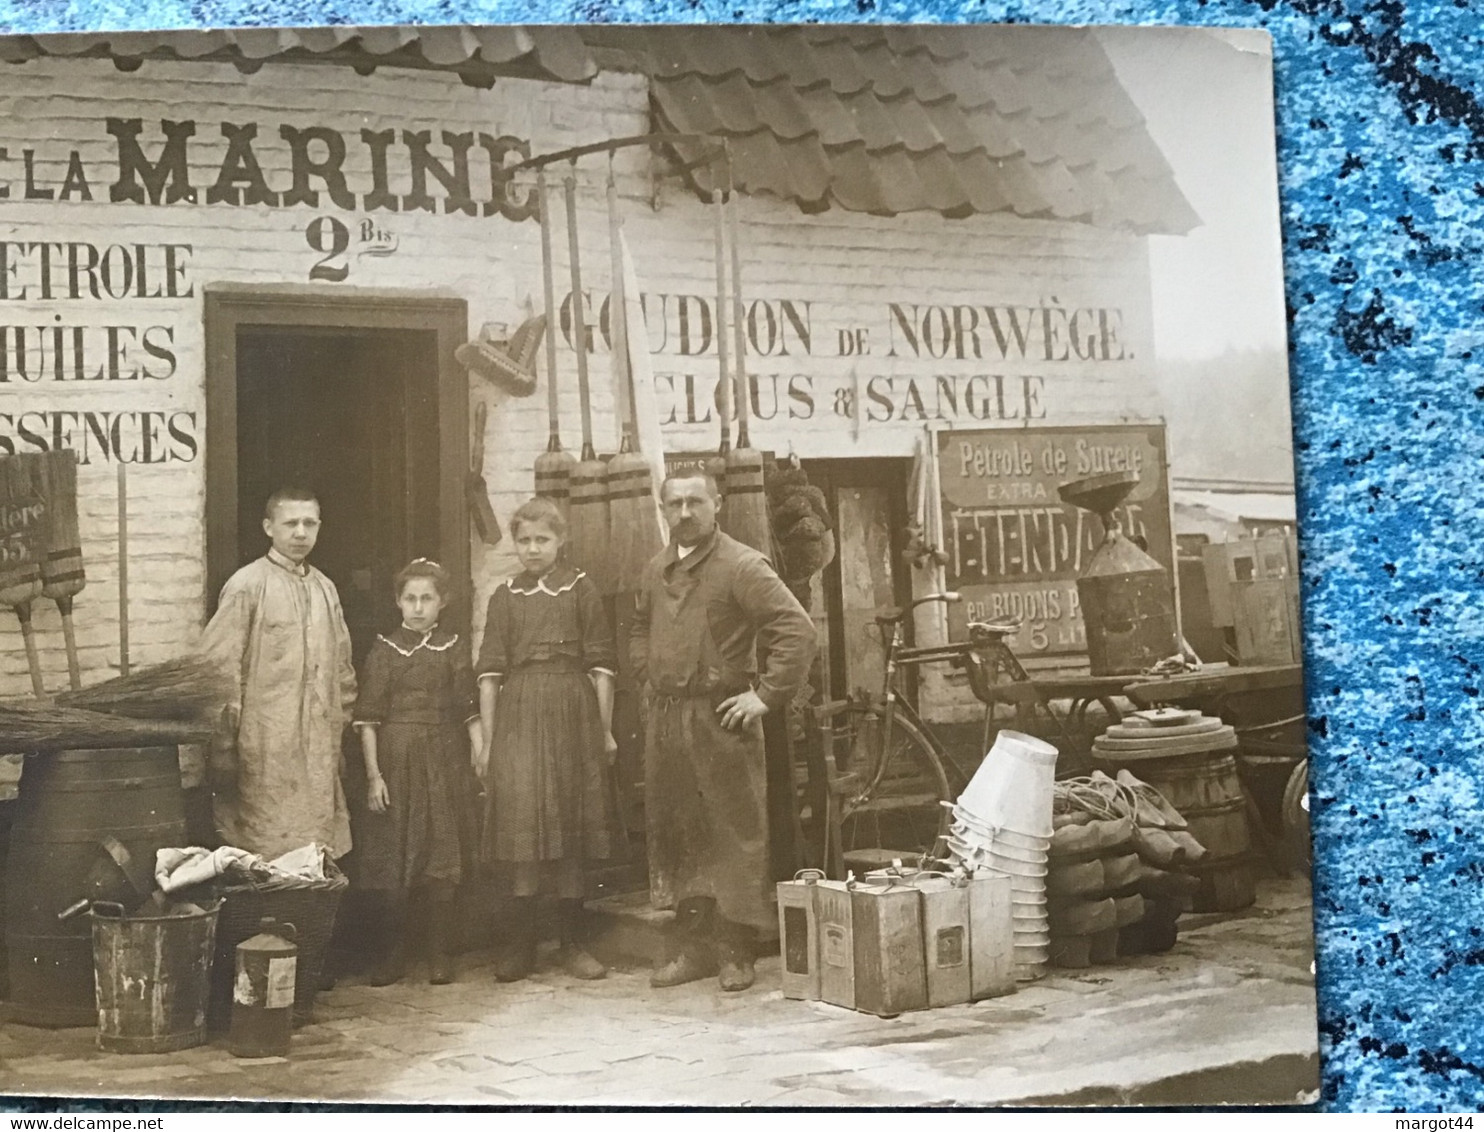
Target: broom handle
(744,408)
(69,635)
(579,320)
(724,387)
(617,319)
(123,475)
(554,441)
(33,658)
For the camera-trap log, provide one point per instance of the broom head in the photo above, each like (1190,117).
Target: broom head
(62,576)
(633,522)
(27,728)
(554,474)
(192,689)
(587,523)
(745,513)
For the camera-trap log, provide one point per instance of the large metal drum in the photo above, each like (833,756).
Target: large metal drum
(77,813)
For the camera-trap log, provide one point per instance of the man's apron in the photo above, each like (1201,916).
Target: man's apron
(705,787)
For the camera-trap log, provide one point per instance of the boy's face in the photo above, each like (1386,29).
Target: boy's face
(294,529)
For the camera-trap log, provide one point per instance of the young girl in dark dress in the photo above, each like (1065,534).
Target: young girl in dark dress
(546,668)
(419,727)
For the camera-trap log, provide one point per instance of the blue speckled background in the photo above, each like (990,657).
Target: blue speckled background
(1381,147)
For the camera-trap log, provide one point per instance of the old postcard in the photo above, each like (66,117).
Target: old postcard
(649,565)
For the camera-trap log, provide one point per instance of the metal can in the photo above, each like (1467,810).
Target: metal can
(263,992)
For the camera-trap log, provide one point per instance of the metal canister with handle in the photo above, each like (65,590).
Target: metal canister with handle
(263,992)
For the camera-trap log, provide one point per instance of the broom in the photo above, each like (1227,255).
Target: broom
(190,689)
(746,515)
(554,466)
(631,514)
(26,728)
(587,511)
(23,529)
(716,466)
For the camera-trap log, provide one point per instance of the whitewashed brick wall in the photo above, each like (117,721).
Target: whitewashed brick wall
(846,267)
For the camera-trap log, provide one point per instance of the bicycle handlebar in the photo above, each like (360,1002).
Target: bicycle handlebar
(948,597)
(893,614)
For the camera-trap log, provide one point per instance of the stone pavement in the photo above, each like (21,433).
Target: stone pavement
(1227,1016)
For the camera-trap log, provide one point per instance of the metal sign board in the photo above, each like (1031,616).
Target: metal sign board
(1015,549)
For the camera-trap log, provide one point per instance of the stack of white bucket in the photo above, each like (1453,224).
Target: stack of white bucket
(1002,824)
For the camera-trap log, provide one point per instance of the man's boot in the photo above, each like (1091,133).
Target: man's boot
(440,933)
(517,956)
(393,963)
(736,948)
(695,954)
(574,958)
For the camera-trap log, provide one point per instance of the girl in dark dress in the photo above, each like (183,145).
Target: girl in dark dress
(546,668)
(419,728)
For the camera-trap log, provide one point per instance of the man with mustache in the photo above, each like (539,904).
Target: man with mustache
(720,642)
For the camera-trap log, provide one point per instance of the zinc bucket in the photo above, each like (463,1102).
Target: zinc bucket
(70,804)
(153,978)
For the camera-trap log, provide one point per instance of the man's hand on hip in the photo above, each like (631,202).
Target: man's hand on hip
(741,710)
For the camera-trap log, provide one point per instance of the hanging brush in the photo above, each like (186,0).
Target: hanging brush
(745,517)
(62,576)
(476,490)
(587,511)
(632,520)
(554,466)
(717,465)
(23,535)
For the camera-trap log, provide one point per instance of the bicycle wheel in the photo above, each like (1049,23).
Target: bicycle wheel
(895,807)
(1296,836)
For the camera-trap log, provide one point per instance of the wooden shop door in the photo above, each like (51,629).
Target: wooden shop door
(361,402)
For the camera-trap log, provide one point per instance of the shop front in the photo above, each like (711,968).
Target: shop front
(267,283)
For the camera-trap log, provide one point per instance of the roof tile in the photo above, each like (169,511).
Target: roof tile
(548,52)
(887,120)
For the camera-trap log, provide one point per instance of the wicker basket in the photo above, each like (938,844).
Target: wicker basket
(309,905)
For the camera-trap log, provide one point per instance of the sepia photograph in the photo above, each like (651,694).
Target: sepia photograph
(742,566)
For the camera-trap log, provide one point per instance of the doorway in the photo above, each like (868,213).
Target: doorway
(360,401)
(868,506)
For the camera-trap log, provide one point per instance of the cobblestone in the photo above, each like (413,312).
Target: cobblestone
(1234,993)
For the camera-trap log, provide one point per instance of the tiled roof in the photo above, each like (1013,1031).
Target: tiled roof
(884,120)
(477,54)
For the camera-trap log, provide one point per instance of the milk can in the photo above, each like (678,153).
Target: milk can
(263,992)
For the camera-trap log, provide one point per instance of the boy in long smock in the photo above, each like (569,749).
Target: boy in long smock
(279,629)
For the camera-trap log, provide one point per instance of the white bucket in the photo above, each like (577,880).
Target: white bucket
(1024,879)
(971,824)
(1012,788)
(1020,861)
(969,843)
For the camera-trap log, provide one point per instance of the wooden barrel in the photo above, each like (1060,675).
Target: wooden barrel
(1207,791)
(70,804)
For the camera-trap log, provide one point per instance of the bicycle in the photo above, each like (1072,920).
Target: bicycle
(900,771)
